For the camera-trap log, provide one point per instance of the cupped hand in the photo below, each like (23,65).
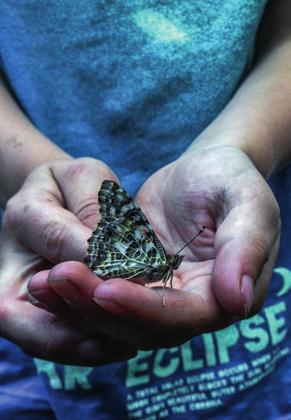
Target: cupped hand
(46,222)
(226,270)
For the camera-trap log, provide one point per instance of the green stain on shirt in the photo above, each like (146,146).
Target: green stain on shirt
(159,27)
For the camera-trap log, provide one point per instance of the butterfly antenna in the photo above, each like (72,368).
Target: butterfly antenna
(191,240)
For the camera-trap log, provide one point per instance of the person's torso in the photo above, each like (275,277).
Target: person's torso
(133,83)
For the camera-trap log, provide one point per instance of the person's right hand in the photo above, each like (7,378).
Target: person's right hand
(49,221)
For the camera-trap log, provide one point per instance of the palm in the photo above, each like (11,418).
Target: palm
(219,188)
(182,197)
(176,223)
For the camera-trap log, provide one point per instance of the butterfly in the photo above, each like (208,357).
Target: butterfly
(125,245)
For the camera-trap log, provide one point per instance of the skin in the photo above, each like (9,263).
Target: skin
(51,303)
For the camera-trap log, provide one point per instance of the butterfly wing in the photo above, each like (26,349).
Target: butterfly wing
(124,243)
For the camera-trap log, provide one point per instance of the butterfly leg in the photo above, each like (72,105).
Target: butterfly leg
(168,277)
(163,296)
(171,280)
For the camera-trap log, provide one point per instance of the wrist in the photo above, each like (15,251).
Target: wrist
(253,142)
(22,146)
(258,118)
(20,156)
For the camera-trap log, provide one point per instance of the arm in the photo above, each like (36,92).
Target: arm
(22,146)
(50,200)
(258,118)
(218,182)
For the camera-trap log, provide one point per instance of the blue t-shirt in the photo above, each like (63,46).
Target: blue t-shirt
(133,83)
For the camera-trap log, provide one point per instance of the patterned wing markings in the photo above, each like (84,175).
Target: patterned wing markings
(122,252)
(115,203)
(124,243)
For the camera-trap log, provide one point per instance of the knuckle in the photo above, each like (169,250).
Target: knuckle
(260,248)
(275,216)
(89,166)
(18,210)
(55,237)
(51,350)
(89,211)
(12,212)
(74,168)
(47,348)
(96,164)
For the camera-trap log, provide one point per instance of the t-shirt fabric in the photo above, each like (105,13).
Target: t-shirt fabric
(133,83)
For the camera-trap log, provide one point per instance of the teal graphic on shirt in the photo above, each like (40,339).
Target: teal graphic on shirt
(134,83)
(181,379)
(286,280)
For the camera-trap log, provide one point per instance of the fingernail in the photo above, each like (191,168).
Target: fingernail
(33,301)
(102,301)
(38,293)
(36,298)
(36,302)
(109,305)
(69,292)
(106,304)
(103,296)
(247,292)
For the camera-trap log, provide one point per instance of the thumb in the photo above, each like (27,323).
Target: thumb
(246,252)
(80,181)
(54,212)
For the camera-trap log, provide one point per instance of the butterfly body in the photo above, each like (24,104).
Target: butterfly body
(124,244)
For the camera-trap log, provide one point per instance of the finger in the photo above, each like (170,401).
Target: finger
(80,181)
(264,279)
(58,291)
(184,312)
(55,232)
(247,245)
(43,296)
(74,283)
(42,334)
(57,340)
